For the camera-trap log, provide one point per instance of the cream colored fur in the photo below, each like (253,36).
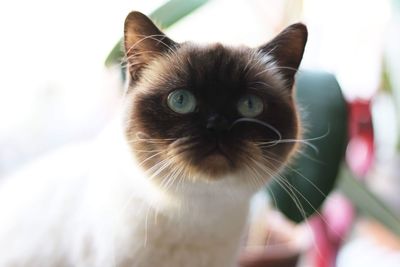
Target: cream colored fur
(91,206)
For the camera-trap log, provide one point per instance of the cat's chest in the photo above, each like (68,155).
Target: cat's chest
(195,239)
(200,226)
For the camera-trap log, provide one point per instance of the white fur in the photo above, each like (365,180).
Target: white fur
(91,206)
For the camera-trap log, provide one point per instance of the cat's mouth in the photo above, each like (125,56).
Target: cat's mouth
(216,150)
(211,158)
(215,161)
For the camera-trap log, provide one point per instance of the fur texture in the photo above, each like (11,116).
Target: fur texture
(159,188)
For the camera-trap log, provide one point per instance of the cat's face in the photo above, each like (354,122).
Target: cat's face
(210,111)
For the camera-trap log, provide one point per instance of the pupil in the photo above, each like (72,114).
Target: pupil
(180,99)
(249,103)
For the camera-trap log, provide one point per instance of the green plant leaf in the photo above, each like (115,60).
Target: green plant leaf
(366,202)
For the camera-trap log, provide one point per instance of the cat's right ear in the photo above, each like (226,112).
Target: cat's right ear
(287,50)
(143,42)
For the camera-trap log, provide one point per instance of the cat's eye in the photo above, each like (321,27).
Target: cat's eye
(250,106)
(181,101)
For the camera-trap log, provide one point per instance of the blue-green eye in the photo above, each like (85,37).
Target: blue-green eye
(250,106)
(181,101)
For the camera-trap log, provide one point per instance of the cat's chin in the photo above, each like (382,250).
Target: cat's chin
(215,165)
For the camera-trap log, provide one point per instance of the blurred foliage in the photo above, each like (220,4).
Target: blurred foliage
(396,3)
(386,84)
(366,202)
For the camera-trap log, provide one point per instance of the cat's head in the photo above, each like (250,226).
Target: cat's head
(213,110)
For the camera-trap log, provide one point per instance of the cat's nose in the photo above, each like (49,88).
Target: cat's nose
(217,123)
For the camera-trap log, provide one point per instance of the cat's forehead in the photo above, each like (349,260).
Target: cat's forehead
(215,56)
(217,62)
(216,67)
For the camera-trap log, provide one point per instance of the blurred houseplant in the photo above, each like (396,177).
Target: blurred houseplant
(392,58)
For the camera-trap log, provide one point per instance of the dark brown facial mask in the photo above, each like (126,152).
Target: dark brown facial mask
(243,103)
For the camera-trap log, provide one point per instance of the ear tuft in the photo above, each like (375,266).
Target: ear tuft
(143,42)
(287,50)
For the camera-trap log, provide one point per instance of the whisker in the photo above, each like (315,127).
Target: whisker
(148,151)
(291,193)
(304,154)
(288,188)
(127,60)
(261,59)
(267,125)
(149,158)
(296,171)
(144,136)
(261,83)
(302,141)
(282,180)
(285,141)
(154,141)
(275,68)
(153,37)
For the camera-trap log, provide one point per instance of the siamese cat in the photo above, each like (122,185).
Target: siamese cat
(169,183)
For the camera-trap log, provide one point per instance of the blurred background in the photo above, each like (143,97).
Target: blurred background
(60,83)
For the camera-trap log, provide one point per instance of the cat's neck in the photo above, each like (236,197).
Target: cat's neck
(181,196)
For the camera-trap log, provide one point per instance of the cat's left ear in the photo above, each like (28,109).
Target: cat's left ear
(287,50)
(143,41)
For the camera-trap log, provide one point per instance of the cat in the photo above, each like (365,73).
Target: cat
(168,184)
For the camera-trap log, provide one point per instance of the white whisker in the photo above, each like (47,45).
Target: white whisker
(259,122)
